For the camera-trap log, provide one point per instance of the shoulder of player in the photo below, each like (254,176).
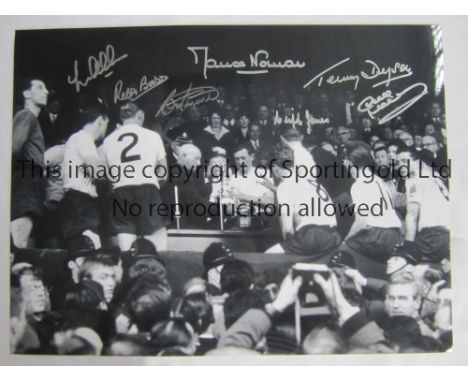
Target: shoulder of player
(80,138)
(25,116)
(139,130)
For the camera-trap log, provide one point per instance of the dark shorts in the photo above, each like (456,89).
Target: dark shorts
(313,240)
(27,196)
(433,243)
(375,243)
(78,212)
(142,218)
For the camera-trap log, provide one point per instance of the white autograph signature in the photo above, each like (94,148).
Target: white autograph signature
(97,66)
(391,73)
(392,104)
(185,99)
(133,94)
(403,70)
(259,62)
(334,79)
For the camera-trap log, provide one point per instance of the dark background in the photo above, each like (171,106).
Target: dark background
(50,54)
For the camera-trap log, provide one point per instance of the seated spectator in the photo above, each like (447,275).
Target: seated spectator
(216,136)
(407,139)
(241,131)
(247,185)
(403,299)
(256,142)
(342,137)
(196,310)
(23,337)
(100,269)
(29,280)
(147,302)
(381,156)
(87,294)
(79,248)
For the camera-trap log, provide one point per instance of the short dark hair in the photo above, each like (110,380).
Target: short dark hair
(240,147)
(380,148)
(235,275)
(86,294)
(359,153)
(26,84)
(90,262)
(197,311)
(93,111)
(148,302)
(128,110)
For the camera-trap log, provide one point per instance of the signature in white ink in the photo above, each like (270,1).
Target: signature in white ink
(259,62)
(294,120)
(97,66)
(133,94)
(311,120)
(396,103)
(333,79)
(185,99)
(392,73)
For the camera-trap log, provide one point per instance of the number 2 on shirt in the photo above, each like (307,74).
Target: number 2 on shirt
(125,156)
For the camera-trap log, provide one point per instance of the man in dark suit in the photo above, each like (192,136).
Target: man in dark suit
(265,122)
(434,115)
(346,110)
(51,121)
(255,140)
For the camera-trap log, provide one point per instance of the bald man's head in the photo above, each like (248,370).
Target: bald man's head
(189,156)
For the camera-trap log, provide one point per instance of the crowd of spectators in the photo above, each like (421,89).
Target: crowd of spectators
(388,288)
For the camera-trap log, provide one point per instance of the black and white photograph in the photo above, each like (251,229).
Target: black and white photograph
(230,190)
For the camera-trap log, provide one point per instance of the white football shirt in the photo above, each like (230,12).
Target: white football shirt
(367,192)
(134,148)
(308,202)
(302,157)
(79,146)
(433,197)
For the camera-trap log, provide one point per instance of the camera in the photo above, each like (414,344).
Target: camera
(311,294)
